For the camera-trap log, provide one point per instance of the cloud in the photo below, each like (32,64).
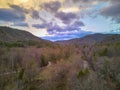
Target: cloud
(35,14)
(38,26)
(43,25)
(69,9)
(32,12)
(112,11)
(54,29)
(57,17)
(52,6)
(21,24)
(17,8)
(66,17)
(78,23)
(10,15)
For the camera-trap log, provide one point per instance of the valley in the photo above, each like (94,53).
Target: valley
(31,63)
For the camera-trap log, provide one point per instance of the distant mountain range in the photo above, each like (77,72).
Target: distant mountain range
(67,36)
(10,34)
(88,63)
(92,39)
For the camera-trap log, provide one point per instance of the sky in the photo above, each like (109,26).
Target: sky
(61,19)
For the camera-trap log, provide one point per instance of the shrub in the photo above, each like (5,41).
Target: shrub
(32,43)
(21,73)
(103,52)
(39,46)
(11,44)
(43,62)
(83,73)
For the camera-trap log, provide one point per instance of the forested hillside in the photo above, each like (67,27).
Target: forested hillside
(30,63)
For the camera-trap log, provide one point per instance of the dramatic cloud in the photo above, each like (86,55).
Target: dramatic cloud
(62,19)
(17,8)
(56,29)
(112,11)
(10,15)
(66,17)
(52,6)
(78,23)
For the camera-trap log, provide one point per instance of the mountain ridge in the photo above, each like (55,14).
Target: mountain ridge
(13,37)
(10,34)
(92,39)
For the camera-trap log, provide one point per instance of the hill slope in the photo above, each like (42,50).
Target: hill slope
(9,34)
(12,37)
(65,67)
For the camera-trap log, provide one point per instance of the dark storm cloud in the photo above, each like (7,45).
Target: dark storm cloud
(21,24)
(52,6)
(11,15)
(66,17)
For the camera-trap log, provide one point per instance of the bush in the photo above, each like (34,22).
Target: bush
(103,52)
(32,43)
(83,73)
(11,44)
(43,62)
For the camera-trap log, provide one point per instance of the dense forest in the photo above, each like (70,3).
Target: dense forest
(30,63)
